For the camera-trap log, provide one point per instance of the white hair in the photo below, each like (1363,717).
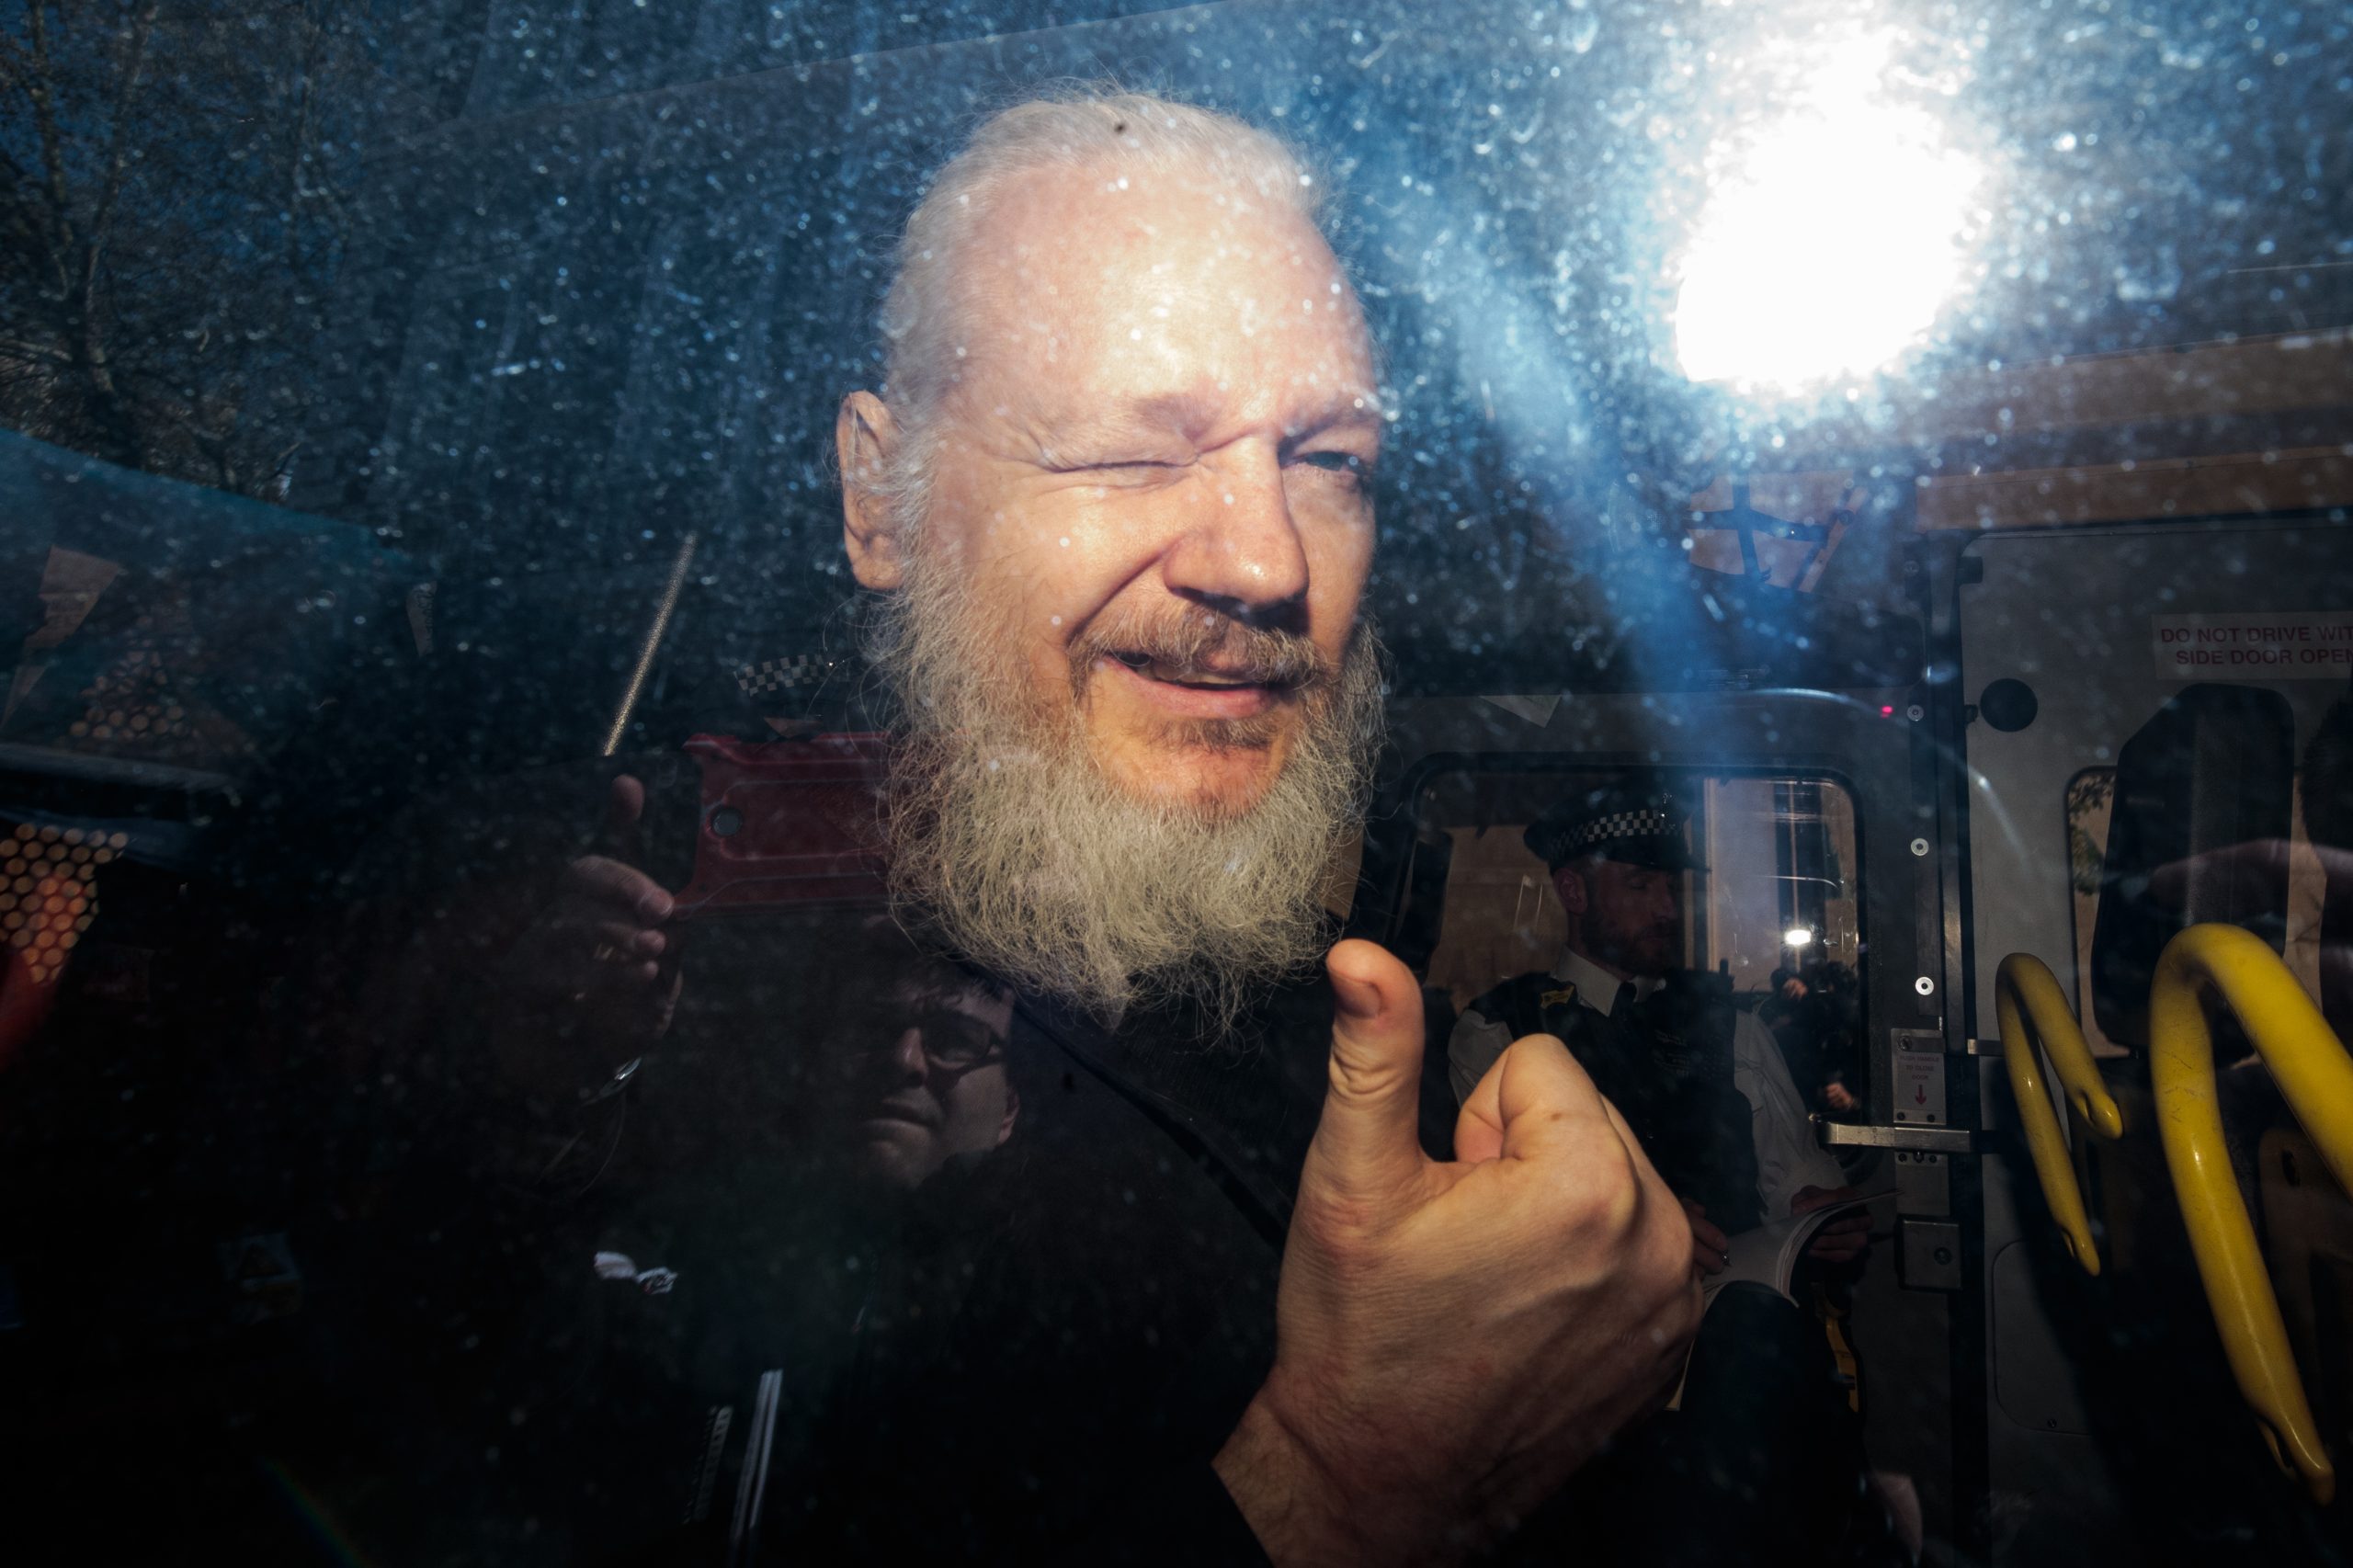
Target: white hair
(1079,128)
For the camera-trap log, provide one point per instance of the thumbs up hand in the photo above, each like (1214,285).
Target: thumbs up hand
(1453,1340)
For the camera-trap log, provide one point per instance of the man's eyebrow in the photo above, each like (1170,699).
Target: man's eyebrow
(1182,411)
(1191,412)
(1104,433)
(1353,411)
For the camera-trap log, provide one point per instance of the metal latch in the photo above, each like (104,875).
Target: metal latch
(1918,1140)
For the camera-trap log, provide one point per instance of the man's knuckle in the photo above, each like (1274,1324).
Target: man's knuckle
(1676,1317)
(1607,1206)
(1668,1265)
(1362,1081)
(1337,1223)
(1667,1252)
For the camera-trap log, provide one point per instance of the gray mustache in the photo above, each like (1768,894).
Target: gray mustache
(1206,641)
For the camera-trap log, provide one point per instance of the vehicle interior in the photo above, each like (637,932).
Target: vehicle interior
(1918,438)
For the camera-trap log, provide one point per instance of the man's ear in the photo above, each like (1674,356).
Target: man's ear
(1012,1114)
(866,440)
(1568,886)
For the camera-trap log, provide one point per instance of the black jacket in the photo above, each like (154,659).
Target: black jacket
(1033,1360)
(1060,1341)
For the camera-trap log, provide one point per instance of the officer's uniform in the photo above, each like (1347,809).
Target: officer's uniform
(1703,1085)
(1761,1462)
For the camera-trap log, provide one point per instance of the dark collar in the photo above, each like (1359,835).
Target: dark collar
(1215,1099)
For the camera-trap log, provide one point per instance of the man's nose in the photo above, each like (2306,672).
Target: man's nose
(1241,552)
(905,1058)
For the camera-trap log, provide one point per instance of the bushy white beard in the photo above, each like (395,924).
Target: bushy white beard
(1007,839)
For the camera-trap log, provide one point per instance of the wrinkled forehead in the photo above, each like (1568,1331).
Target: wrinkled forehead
(1128,279)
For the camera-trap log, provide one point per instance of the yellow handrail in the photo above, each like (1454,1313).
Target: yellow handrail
(2030,1007)
(2315,1076)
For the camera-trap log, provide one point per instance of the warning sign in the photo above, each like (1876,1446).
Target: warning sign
(1920,1083)
(2287,644)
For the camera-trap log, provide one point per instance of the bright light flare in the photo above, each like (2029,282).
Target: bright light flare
(1830,243)
(1798,937)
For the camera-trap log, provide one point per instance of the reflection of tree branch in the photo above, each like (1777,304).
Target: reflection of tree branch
(299,140)
(2090,790)
(18,64)
(75,261)
(41,88)
(2086,861)
(19,180)
(164,235)
(119,153)
(37,353)
(19,215)
(14,64)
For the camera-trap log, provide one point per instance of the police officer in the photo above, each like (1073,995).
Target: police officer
(1703,1084)
(1761,1462)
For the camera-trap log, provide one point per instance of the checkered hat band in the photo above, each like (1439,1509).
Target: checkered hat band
(781,675)
(1650,823)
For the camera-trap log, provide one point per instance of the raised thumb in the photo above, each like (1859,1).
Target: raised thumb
(1367,1140)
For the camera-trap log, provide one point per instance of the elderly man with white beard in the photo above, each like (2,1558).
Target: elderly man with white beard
(1117,498)
(1211,1301)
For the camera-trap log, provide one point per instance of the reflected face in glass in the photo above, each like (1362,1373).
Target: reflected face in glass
(1162,433)
(1627,917)
(928,1074)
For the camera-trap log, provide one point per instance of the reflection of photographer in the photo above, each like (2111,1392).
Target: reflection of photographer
(667,1155)
(914,1060)
(892,1062)
(1815,1013)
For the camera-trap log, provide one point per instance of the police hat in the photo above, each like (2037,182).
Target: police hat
(1638,821)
